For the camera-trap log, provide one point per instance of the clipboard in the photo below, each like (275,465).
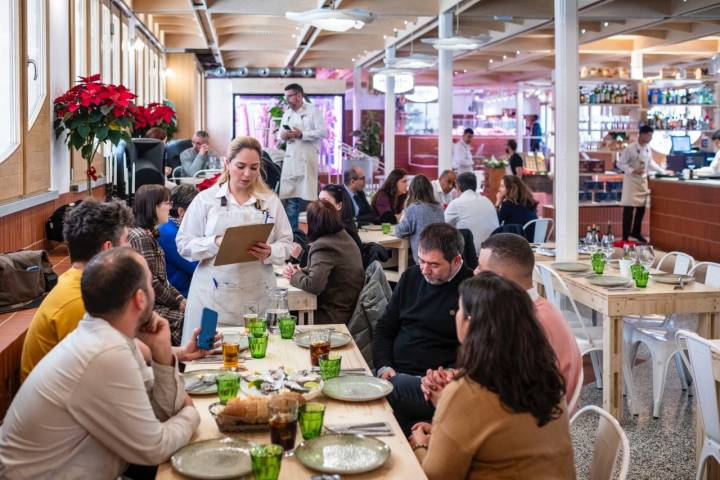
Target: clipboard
(237,240)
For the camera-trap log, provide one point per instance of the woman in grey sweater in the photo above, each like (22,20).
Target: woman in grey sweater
(335,271)
(421,209)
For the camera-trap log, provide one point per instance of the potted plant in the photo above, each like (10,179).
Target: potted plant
(368,137)
(495,170)
(155,114)
(92,113)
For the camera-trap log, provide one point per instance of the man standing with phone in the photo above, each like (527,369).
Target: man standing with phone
(303,129)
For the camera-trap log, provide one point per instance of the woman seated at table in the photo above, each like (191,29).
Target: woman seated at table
(389,201)
(515,204)
(335,272)
(421,209)
(340,199)
(152,209)
(179,270)
(504,413)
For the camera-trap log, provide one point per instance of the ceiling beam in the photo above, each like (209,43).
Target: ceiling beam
(207,29)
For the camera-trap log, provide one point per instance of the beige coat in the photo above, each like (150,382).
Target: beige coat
(635,186)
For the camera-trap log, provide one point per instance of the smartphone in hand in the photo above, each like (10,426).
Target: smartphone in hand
(208,325)
(287,127)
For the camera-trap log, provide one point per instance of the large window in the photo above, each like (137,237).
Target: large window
(9,100)
(94,37)
(115,33)
(35,30)
(80,42)
(106,46)
(126,52)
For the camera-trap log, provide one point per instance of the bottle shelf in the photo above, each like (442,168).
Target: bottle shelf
(661,105)
(626,105)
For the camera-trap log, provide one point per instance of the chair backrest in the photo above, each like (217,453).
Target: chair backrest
(573,400)
(683,262)
(207,172)
(543,227)
(146,158)
(609,441)
(700,364)
(712,273)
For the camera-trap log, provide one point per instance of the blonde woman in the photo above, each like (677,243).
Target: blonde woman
(240,197)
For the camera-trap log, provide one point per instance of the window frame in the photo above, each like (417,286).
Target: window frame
(40,66)
(16,93)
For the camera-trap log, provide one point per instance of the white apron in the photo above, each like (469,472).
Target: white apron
(635,187)
(227,288)
(299,178)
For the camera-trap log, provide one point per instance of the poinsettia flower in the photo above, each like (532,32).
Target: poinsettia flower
(91,78)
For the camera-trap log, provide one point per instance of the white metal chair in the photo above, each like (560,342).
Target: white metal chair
(543,228)
(588,338)
(573,400)
(700,363)
(609,441)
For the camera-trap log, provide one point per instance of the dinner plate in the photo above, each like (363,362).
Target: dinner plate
(209,389)
(356,388)
(344,454)
(371,228)
(608,281)
(671,278)
(337,339)
(216,459)
(570,266)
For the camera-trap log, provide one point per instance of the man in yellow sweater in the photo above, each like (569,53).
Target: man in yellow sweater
(89,228)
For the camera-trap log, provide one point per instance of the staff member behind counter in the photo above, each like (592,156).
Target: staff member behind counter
(240,197)
(635,162)
(714,168)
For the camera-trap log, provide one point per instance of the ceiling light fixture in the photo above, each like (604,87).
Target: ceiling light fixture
(582,31)
(517,52)
(490,61)
(403,82)
(606,24)
(413,61)
(504,57)
(457,41)
(333,20)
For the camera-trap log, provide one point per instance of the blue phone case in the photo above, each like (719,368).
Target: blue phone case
(208,324)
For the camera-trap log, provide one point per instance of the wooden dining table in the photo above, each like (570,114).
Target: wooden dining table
(397,244)
(402,463)
(300,301)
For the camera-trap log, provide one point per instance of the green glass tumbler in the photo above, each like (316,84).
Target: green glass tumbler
(598,262)
(258,345)
(311,416)
(635,269)
(256,327)
(228,384)
(287,326)
(386,228)
(266,461)
(330,365)
(641,279)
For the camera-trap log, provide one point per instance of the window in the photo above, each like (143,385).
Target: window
(9,131)
(35,30)
(106,46)
(139,47)
(126,51)
(94,37)
(115,33)
(79,39)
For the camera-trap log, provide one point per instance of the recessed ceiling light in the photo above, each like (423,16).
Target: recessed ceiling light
(517,52)
(606,24)
(384,37)
(491,60)
(504,57)
(582,32)
(464,70)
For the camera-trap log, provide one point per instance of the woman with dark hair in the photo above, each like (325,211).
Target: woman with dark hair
(335,271)
(389,201)
(340,199)
(152,209)
(503,415)
(515,203)
(421,209)
(179,270)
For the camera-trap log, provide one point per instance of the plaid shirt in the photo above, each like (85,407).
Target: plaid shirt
(143,241)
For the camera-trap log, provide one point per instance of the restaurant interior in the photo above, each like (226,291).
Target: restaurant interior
(579,89)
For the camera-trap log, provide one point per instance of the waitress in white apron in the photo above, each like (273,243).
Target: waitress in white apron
(240,197)
(635,162)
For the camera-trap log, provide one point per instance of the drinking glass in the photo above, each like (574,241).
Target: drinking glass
(319,344)
(598,262)
(607,245)
(287,326)
(277,307)
(641,279)
(250,312)
(646,255)
(266,460)
(230,349)
(386,228)
(258,345)
(283,421)
(311,416)
(330,365)
(228,384)
(256,327)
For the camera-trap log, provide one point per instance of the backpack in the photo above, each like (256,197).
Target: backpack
(25,278)
(54,224)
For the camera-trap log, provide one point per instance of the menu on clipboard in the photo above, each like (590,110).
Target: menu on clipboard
(237,240)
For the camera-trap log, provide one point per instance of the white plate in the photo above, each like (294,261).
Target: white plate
(608,281)
(216,459)
(570,266)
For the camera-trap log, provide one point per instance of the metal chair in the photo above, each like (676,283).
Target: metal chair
(543,228)
(610,440)
(573,400)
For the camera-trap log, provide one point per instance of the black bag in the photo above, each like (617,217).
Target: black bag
(25,278)
(54,224)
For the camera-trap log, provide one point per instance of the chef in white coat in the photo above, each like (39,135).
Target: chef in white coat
(462,160)
(714,167)
(302,127)
(636,162)
(240,197)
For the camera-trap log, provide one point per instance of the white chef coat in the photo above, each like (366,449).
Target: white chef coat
(300,166)
(227,288)
(712,169)
(475,212)
(635,187)
(462,160)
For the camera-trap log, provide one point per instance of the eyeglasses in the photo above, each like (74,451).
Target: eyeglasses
(289,95)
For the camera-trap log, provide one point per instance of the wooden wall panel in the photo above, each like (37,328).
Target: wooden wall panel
(182,88)
(37,152)
(11,175)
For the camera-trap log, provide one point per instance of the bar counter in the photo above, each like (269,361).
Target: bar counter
(685,216)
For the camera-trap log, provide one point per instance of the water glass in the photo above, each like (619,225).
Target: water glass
(258,345)
(636,269)
(646,256)
(386,227)
(641,279)
(230,349)
(598,262)
(228,384)
(311,416)
(256,327)
(251,311)
(287,326)
(283,413)
(330,365)
(266,460)
(319,344)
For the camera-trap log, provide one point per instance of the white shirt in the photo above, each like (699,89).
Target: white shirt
(462,160)
(90,406)
(474,212)
(638,156)
(443,198)
(712,169)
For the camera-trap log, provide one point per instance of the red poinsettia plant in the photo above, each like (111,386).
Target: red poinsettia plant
(92,113)
(155,114)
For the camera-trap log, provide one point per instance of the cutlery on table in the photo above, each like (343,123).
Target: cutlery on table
(371,429)
(681,285)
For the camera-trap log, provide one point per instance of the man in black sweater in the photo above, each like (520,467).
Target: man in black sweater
(417,331)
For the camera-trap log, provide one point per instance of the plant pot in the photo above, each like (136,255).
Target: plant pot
(493,176)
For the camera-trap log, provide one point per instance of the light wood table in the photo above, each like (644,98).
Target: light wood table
(402,245)
(402,462)
(303,302)
(655,299)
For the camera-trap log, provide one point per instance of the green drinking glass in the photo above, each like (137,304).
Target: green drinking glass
(635,269)
(228,384)
(287,326)
(330,365)
(386,227)
(258,345)
(311,420)
(256,327)
(641,279)
(598,262)
(266,461)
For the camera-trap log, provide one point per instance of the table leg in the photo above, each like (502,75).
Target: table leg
(708,327)
(311,317)
(612,365)
(402,259)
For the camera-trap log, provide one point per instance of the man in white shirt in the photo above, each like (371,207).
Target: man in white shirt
(444,187)
(472,210)
(462,160)
(92,404)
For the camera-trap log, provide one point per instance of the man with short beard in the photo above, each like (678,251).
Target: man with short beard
(92,404)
